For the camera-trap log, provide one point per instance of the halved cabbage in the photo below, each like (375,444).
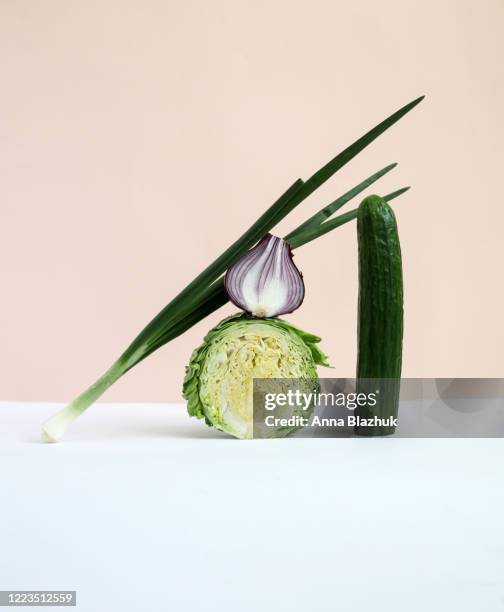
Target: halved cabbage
(219,378)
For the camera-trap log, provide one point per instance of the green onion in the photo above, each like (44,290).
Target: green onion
(206,293)
(298,238)
(331,208)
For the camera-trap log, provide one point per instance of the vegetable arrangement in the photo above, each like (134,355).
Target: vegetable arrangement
(257,296)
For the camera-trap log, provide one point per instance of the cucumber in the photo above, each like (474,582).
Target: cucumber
(380,323)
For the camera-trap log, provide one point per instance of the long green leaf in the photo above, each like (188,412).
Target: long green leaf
(320,177)
(216,299)
(316,231)
(331,208)
(396,194)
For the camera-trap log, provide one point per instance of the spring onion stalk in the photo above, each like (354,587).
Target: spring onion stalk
(307,233)
(331,208)
(206,292)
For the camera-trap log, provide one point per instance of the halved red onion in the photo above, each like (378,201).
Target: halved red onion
(265,281)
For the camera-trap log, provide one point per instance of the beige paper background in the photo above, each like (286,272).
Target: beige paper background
(138,139)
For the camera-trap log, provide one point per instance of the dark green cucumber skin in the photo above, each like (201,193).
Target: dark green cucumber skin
(380,319)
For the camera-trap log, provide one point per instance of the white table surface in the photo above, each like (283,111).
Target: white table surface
(142,508)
